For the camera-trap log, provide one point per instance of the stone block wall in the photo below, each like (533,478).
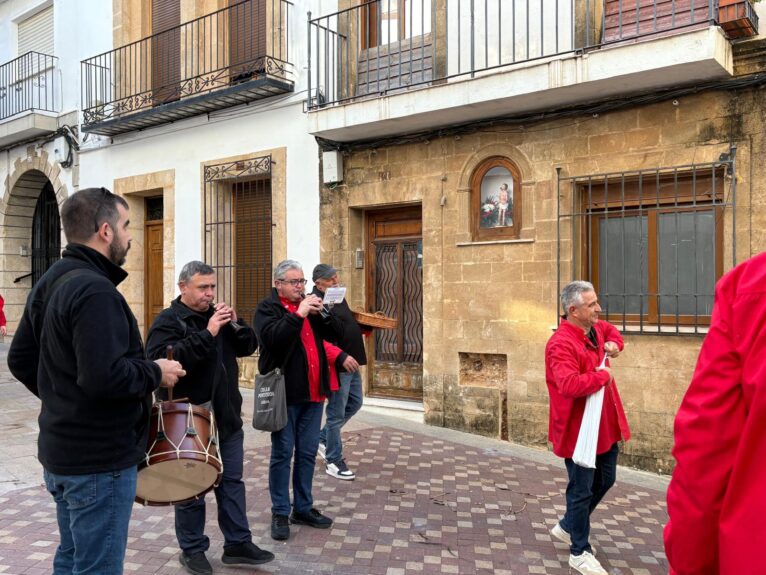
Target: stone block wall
(500,298)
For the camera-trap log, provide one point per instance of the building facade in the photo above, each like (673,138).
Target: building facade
(492,153)
(41,45)
(196,118)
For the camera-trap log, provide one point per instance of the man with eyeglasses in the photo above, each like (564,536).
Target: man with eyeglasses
(291,334)
(78,349)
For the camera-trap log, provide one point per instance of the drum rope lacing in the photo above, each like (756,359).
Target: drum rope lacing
(190,431)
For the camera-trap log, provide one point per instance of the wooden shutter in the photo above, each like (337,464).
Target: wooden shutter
(166,50)
(36,33)
(252,250)
(247,38)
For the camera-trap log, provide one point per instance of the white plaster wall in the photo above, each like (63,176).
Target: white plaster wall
(184,146)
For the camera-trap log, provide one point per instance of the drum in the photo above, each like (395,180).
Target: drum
(182,459)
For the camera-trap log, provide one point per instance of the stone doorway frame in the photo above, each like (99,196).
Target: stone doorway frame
(16,228)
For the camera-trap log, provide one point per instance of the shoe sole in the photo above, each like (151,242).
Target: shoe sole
(576,570)
(244,560)
(191,570)
(322,454)
(314,525)
(280,538)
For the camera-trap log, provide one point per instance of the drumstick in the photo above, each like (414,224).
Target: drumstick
(169,351)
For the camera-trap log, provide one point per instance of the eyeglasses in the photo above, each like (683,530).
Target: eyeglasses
(294,283)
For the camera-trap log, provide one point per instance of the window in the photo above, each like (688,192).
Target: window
(238,231)
(652,244)
(496,200)
(36,33)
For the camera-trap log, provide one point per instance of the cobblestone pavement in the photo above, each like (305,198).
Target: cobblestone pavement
(426,500)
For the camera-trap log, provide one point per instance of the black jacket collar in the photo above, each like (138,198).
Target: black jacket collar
(95,259)
(184,311)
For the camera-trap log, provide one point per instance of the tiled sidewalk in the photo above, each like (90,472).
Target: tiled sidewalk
(421,504)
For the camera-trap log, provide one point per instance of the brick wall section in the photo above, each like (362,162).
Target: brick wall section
(502,298)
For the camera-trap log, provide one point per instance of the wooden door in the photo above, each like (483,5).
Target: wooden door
(166,51)
(395,287)
(153,264)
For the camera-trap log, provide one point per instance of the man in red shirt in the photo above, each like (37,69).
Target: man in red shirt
(291,335)
(573,371)
(716,499)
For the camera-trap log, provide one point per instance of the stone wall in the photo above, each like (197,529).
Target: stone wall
(495,303)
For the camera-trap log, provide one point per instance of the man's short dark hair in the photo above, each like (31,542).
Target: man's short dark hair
(83,213)
(193,268)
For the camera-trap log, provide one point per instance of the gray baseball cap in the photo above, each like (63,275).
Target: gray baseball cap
(324,271)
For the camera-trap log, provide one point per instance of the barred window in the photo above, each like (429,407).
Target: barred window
(238,226)
(652,242)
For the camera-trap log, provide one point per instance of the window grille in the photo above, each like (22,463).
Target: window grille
(652,242)
(238,237)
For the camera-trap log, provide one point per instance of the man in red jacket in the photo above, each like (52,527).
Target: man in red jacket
(716,499)
(573,371)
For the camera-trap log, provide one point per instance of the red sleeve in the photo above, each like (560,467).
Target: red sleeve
(611,333)
(2,313)
(708,426)
(332,352)
(565,368)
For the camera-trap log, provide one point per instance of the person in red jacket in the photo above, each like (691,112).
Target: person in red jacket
(3,328)
(573,371)
(716,498)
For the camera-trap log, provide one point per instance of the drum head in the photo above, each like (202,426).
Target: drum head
(170,482)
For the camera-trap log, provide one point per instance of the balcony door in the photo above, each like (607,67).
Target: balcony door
(166,51)
(396,45)
(247,39)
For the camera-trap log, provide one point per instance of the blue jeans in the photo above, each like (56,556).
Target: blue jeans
(93,513)
(299,437)
(585,490)
(341,406)
(230,496)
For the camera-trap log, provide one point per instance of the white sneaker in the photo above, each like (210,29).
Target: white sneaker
(559,533)
(340,471)
(322,451)
(586,564)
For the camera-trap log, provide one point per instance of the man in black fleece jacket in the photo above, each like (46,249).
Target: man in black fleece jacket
(78,348)
(207,343)
(291,336)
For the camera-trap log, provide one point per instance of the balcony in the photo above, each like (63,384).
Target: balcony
(236,55)
(29,98)
(396,66)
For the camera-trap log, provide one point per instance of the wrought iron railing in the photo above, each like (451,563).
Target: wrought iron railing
(384,45)
(243,42)
(29,83)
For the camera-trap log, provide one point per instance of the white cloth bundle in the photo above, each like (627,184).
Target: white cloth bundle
(587,439)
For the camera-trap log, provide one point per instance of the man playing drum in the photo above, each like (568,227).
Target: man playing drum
(78,348)
(207,338)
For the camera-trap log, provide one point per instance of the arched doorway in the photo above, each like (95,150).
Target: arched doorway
(46,232)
